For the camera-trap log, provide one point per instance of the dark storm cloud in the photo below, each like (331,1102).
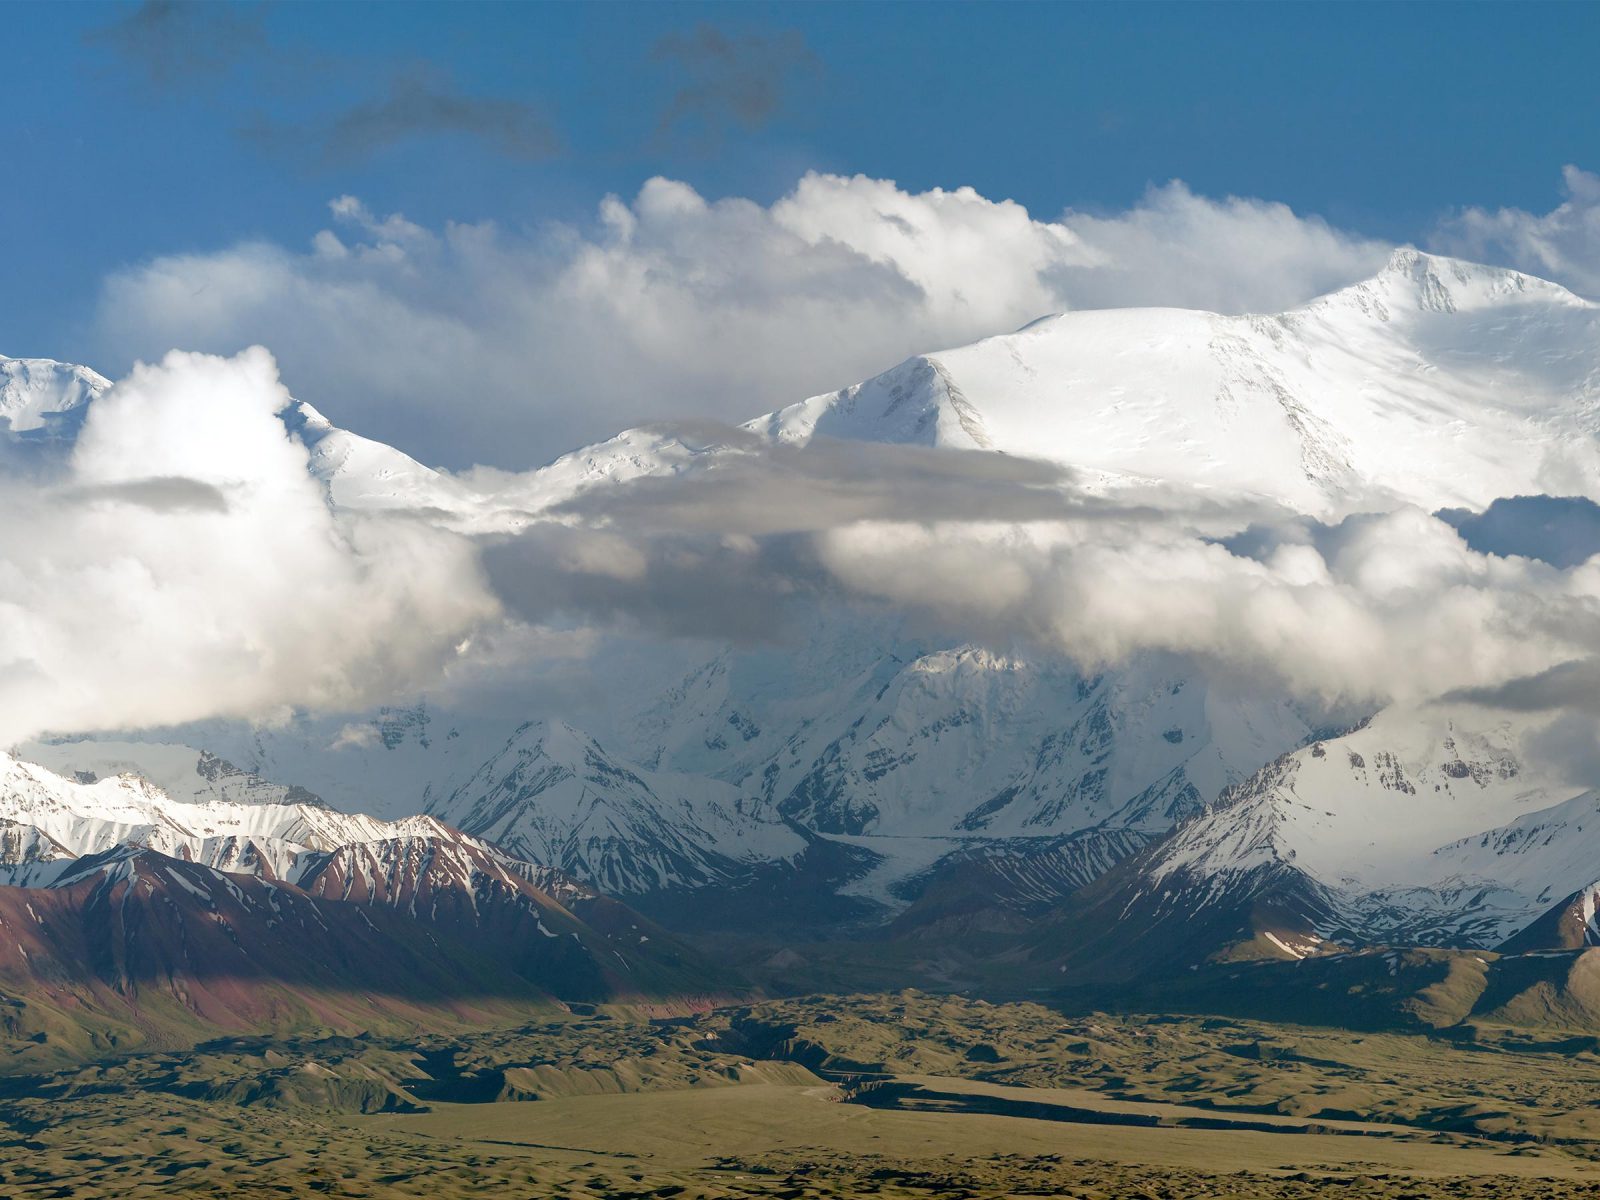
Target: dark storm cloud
(722,548)
(672,585)
(725,79)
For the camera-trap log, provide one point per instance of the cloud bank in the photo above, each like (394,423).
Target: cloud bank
(183,563)
(1562,245)
(671,305)
(1377,609)
(483,344)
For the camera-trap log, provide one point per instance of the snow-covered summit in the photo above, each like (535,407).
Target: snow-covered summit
(51,818)
(1437,382)
(1416,282)
(38,392)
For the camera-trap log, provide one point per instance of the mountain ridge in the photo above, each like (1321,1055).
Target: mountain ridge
(940,767)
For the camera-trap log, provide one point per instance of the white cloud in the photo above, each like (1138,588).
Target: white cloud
(1176,249)
(1562,245)
(185,564)
(1379,608)
(1375,610)
(478,344)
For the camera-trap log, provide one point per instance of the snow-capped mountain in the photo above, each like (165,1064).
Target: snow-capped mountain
(552,795)
(244,914)
(39,396)
(1437,383)
(412,930)
(51,821)
(1427,826)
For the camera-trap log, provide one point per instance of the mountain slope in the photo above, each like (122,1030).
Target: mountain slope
(133,944)
(40,397)
(553,795)
(270,834)
(938,765)
(1420,827)
(1329,407)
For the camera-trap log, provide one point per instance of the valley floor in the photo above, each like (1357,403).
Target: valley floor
(907,1095)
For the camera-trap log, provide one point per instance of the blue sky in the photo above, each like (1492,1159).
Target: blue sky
(135,132)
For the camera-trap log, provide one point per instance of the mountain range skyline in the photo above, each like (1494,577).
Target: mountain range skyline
(756,600)
(863,635)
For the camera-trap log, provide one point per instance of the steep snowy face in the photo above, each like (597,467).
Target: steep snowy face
(552,795)
(423,866)
(30,857)
(39,395)
(915,404)
(962,742)
(51,819)
(364,475)
(1436,383)
(181,772)
(1423,826)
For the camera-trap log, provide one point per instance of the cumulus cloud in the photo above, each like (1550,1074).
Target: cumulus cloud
(670,305)
(1387,608)
(1233,255)
(183,563)
(479,344)
(1562,244)
(1377,608)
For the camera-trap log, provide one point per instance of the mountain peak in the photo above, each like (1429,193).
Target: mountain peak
(1414,280)
(38,392)
(557,740)
(917,403)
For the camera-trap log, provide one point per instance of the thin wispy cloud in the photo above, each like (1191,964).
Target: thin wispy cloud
(183,43)
(416,104)
(724,80)
(1562,244)
(300,111)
